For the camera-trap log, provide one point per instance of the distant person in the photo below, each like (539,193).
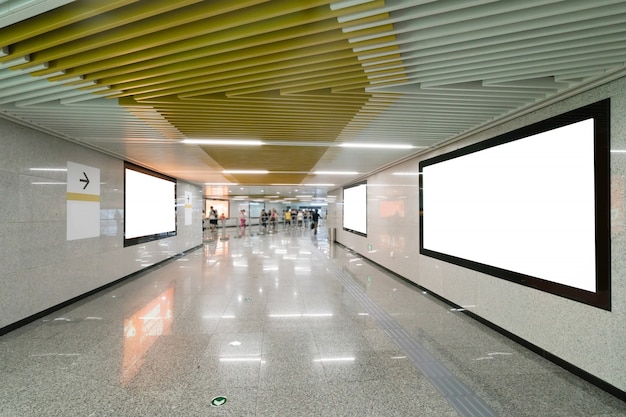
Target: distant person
(212,219)
(300,218)
(242,222)
(264,217)
(288,219)
(315,218)
(273,220)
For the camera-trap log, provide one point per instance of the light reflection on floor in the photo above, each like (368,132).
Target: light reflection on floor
(262,326)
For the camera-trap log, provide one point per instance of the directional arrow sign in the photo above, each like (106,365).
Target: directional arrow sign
(83,201)
(83,179)
(218,401)
(86,180)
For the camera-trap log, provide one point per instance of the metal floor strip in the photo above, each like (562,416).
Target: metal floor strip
(460,396)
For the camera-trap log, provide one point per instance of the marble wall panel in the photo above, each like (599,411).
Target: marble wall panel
(41,268)
(587,337)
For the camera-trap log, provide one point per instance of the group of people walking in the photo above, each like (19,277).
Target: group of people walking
(269,218)
(302,219)
(292,219)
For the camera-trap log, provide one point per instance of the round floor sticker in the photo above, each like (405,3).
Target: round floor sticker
(218,401)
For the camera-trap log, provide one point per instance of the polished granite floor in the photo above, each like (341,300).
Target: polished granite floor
(276,325)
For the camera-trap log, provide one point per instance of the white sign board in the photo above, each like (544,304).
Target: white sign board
(188,208)
(83,201)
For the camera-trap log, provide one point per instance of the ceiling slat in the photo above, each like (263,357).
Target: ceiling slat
(63,16)
(85,29)
(303,74)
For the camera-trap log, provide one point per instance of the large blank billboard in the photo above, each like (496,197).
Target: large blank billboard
(355,209)
(530,206)
(149,205)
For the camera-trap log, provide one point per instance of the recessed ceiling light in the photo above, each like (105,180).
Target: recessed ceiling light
(229,142)
(245,171)
(335,172)
(375,145)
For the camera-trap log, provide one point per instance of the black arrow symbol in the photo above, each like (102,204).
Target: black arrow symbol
(86,180)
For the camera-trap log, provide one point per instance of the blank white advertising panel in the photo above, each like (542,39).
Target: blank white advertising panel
(355,208)
(529,206)
(149,205)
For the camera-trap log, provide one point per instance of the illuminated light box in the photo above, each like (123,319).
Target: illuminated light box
(355,209)
(149,205)
(531,206)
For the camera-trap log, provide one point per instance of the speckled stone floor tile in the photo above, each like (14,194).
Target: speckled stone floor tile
(273,325)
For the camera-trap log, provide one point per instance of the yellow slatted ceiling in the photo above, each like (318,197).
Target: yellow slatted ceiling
(136,77)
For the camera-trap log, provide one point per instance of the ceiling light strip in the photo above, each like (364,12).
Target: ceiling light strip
(245,142)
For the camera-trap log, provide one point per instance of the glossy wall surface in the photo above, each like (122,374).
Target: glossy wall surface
(586,337)
(40,267)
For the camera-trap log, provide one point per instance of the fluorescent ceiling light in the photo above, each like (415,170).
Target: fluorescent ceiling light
(375,145)
(247,142)
(319,185)
(411,174)
(245,171)
(233,142)
(618,151)
(335,173)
